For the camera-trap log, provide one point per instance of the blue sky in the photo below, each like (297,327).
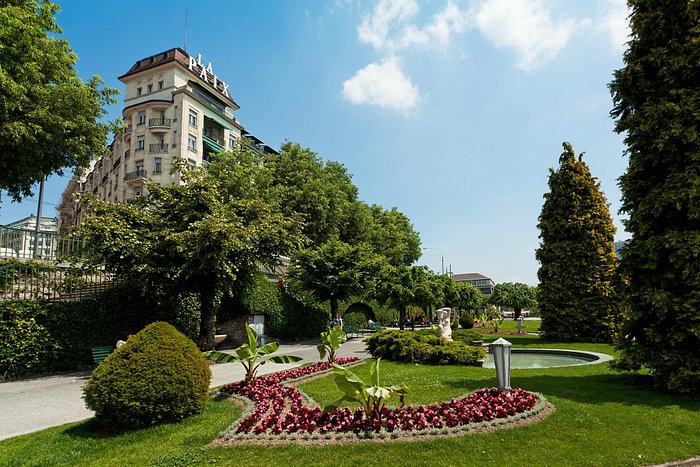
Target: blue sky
(451,111)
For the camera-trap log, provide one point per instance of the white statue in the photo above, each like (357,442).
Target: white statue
(444,329)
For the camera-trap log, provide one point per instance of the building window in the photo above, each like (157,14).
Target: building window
(150,88)
(142,118)
(138,91)
(231,141)
(157,165)
(160,85)
(140,143)
(193,118)
(192,143)
(191,163)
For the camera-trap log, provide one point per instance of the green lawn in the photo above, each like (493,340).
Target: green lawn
(600,420)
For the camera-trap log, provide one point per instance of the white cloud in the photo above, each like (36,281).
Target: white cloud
(382,84)
(615,22)
(526,26)
(389,27)
(375,29)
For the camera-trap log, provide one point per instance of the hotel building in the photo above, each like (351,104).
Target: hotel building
(175,106)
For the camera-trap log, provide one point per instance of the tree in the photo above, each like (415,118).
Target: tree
(191,237)
(401,287)
(514,295)
(334,270)
(463,296)
(49,118)
(391,234)
(321,192)
(657,106)
(576,294)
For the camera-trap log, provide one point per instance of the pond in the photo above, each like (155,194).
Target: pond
(549,358)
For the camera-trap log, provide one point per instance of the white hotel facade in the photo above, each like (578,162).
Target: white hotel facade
(175,106)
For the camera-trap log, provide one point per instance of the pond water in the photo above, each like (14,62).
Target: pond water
(527,358)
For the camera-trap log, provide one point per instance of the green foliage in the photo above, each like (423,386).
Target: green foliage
(576,295)
(416,347)
(26,344)
(331,340)
(157,376)
(462,295)
(514,295)
(334,270)
(391,235)
(403,286)
(372,397)
(466,320)
(249,355)
(361,307)
(657,103)
(49,118)
(194,237)
(57,336)
(355,318)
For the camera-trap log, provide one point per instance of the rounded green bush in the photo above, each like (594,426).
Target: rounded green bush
(361,307)
(355,318)
(158,376)
(466,320)
(417,347)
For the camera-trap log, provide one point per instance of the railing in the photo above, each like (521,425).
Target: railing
(129,129)
(136,174)
(158,147)
(28,244)
(40,281)
(161,122)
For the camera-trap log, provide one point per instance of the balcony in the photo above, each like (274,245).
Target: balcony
(160,123)
(129,129)
(158,148)
(138,175)
(127,154)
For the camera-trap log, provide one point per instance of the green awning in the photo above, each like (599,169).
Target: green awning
(218,122)
(212,145)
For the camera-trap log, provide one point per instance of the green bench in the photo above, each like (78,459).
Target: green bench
(349,330)
(100,353)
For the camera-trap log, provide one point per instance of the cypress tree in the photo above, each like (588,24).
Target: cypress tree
(657,106)
(576,294)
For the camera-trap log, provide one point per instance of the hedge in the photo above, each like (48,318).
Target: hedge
(413,347)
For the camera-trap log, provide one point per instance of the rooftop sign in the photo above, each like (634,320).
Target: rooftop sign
(207,74)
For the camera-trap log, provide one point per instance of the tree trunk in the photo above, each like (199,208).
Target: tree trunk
(402,317)
(516,313)
(334,307)
(207,316)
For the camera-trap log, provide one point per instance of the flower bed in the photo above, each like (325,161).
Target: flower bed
(279,411)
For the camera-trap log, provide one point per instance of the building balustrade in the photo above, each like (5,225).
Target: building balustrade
(135,175)
(160,122)
(158,147)
(129,129)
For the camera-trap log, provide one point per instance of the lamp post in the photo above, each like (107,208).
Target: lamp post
(442,258)
(501,359)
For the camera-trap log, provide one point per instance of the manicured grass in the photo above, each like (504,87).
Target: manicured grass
(510,325)
(600,420)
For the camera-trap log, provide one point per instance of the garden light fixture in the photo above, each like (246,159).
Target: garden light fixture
(501,359)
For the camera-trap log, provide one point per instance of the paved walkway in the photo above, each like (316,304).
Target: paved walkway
(33,404)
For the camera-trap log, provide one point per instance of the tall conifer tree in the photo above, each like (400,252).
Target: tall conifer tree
(657,106)
(576,295)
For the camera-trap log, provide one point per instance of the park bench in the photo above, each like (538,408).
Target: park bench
(100,353)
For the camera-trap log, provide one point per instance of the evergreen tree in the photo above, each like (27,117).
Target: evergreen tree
(657,106)
(576,295)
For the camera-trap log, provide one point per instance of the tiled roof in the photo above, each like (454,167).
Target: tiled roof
(470,276)
(173,55)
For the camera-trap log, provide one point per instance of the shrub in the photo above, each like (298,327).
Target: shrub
(355,319)
(361,307)
(466,320)
(158,376)
(419,347)
(454,322)
(26,344)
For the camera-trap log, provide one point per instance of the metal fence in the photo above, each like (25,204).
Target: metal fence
(28,244)
(36,281)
